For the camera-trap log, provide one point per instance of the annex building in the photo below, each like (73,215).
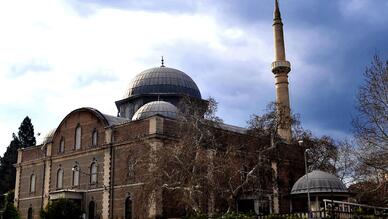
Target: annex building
(90,156)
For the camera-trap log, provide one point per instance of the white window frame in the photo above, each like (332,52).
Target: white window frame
(94,137)
(93,172)
(76,175)
(60,175)
(32,183)
(62,146)
(78,137)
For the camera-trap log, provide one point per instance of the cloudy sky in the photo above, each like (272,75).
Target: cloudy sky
(56,56)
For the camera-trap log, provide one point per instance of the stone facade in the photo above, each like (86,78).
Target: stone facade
(92,157)
(111,158)
(117,146)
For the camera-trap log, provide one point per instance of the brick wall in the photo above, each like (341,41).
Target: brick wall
(32,153)
(96,197)
(34,203)
(84,160)
(131,131)
(88,123)
(291,168)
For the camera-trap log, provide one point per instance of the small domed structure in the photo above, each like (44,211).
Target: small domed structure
(48,137)
(319,182)
(156,108)
(322,186)
(163,80)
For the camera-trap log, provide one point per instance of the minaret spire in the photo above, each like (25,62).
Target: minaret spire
(277,11)
(281,67)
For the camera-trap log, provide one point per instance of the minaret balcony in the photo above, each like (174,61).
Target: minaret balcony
(281,67)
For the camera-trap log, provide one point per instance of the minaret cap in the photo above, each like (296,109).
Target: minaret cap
(277,11)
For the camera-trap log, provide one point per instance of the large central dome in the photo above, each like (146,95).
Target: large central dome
(163,80)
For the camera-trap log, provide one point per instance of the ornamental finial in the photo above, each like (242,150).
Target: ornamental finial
(162,62)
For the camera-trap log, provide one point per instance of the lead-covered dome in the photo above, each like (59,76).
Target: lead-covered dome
(49,136)
(163,80)
(319,182)
(156,108)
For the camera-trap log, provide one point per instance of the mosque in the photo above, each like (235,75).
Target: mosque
(88,157)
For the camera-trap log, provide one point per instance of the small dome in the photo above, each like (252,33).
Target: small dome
(163,80)
(319,182)
(49,136)
(156,108)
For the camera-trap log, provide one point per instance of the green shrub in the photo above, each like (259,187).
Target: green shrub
(62,209)
(199,216)
(11,212)
(287,216)
(234,215)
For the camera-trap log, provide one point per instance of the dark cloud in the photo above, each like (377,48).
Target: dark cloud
(168,6)
(322,92)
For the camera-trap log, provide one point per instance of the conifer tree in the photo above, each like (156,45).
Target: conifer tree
(25,138)
(7,170)
(26,133)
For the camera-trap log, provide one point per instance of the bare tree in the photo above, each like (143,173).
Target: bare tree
(323,150)
(206,163)
(371,123)
(371,134)
(182,164)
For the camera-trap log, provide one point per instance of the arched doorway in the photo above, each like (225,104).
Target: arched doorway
(29,215)
(92,207)
(128,208)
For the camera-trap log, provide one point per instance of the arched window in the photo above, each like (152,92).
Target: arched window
(94,138)
(93,173)
(61,145)
(60,179)
(29,214)
(78,136)
(131,167)
(128,208)
(92,207)
(32,183)
(76,175)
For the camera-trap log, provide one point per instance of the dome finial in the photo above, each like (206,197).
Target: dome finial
(162,62)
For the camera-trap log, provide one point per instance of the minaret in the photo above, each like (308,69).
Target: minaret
(281,67)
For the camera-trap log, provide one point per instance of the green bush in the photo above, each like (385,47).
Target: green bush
(11,212)
(199,216)
(62,209)
(286,216)
(234,215)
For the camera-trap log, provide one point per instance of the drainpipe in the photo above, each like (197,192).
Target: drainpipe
(112,168)
(44,175)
